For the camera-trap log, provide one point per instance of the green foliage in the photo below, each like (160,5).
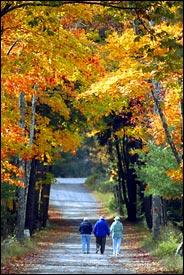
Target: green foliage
(93,181)
(7,191)
(174,264)
(165,248)
(49,178)
(103,191)
(170,239)
(112,204)
(106,186)
(153,172)
(10,247)
(99,183)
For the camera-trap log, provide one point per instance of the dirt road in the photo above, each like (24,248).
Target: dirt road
(74,202)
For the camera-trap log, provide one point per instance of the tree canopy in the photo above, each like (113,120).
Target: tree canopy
(80,65)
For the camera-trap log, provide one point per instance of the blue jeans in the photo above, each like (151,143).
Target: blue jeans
(116,242)
(85,239)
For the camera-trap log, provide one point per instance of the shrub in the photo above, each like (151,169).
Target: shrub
(11,247)
(112,204)
(165,248)
(105,186)
(99,183)
(94,181)
(174,264)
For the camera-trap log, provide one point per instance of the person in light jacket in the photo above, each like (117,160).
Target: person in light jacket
(116,230)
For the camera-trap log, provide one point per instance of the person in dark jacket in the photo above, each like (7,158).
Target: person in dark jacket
(101,230)
(85,231)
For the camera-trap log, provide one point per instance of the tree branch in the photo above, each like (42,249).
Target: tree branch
(142,22)
(166,130)
(9,7)
(12,47)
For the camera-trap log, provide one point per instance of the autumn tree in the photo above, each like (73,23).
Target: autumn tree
(49,71)
(147,54)
(107,57)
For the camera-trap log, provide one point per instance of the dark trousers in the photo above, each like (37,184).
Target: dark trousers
(100,244)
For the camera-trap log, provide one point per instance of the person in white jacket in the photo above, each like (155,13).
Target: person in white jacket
(116,230)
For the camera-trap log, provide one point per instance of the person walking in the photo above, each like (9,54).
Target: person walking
(116,229)
(85,230)
(101,230)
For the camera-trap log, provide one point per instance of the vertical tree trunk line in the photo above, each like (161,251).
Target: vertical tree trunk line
(44,204)
(117,190)
(165,127)
(22,193)
(148,211)
(121,172)
(31,136)
(158,214)
(131,183)
(31,199)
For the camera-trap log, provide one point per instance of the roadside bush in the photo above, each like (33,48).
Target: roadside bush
(93,181)
(165,248)
(105,186)
(174,263)
(99,183)
(10,247)
(112,204)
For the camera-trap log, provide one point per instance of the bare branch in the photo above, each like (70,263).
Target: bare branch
(114,4)
(12,47)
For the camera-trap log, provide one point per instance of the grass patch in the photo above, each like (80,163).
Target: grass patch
(106,200)
(174,264)
(164,249)
(12,248)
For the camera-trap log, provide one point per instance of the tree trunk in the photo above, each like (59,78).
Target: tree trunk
(30,209)
(4,219)
(31,136)
(44,204)
(179,250)
(131,182)
(119,196)
(26,166)
(165,127)
(156,214)
(132,196)
(21,192)
(36,224)
(163,212)
(148,211)
(121,172)
(141,195)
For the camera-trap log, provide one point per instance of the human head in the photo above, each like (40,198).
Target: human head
(117,218)
(85,219)
(102,217)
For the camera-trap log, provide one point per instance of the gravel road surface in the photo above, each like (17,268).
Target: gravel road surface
(74,201)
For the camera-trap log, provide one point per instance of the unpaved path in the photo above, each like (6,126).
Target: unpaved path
(74,202)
